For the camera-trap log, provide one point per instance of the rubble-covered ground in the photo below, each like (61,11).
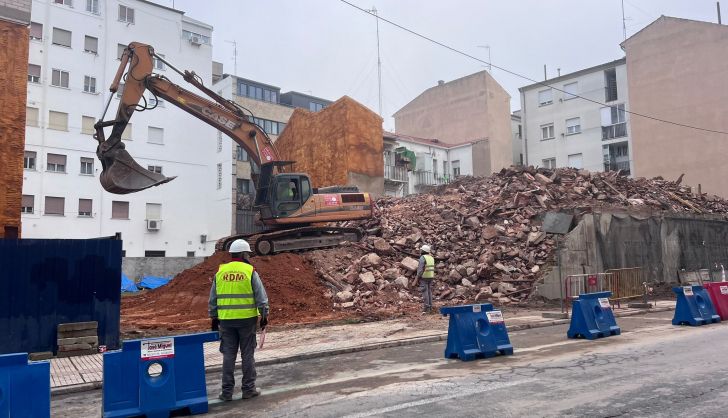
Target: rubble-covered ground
(485,232)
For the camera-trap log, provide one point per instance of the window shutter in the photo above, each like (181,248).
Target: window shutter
(61,37)
(85,205)
(119,210)
(54,205)
(91,44)
(154,211)
(34,70)
(57,159)
(28,201)
(58,120)
(87,160)
(31,116)
(156,135)
(87,124)
(606,113)
(130,15)
(36,30)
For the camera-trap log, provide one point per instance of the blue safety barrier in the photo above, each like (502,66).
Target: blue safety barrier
(152,282)
(475,331)
(592,317)
(156,376)
(25,387)
(694,306)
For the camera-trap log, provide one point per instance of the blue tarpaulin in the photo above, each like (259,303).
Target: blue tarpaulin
(151,282)
(128,285)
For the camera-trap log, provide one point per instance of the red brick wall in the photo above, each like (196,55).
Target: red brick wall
(13,79)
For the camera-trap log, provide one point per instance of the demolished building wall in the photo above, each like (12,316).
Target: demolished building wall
(341,144)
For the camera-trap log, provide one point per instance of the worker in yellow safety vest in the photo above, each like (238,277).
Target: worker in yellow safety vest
(237,298)
(426,274)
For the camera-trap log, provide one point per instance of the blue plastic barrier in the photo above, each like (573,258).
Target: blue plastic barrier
(130,390)
(25,387)
(128,285)
(693,307)
(475,331)
(592,317)
(151,282)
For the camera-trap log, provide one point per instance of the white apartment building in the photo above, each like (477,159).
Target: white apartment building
(435,163)
(563,130)
(74,54)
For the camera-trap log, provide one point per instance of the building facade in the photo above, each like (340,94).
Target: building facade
(14,20)
(474,109)
(677,70)
(417,165)
(560,129)
(517,137)
(74,55)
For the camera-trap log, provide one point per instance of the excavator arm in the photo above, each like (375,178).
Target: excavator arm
(121,174)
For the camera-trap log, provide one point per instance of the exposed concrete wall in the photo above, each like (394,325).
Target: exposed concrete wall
(137,267)
(676,70)
(341,144)
(16,11)
(13,90)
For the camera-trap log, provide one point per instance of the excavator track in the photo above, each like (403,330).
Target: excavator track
(297,239)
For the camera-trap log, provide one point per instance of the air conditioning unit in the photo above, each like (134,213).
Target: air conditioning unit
(195,40)
(153,224)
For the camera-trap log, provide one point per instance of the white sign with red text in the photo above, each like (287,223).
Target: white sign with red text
(157,348)
(495,317)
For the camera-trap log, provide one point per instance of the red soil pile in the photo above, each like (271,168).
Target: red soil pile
(295,296)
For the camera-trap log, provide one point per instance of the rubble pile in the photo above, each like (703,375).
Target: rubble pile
(486,235)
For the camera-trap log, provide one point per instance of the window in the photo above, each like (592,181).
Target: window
(241,154)
(576,161)
(89,84)
(547,131)
(571,90)
(243,186)
(159,64)
(255,92)
(31,116)
(126,14)
(573,126)
(154,211)
(28,201)
(614,122)
(610,83)
(87,125)
(85,207)
(126,135)
(61,37)
(155,168)
(92,6)
(91,44)
(54,205)
(34,73)
(549,163)
(119,210)
(156,135)
(616,157)
(269,126)
(36,31)
(219,141)
(56,163)
(120,90)
(120,48)
(59,78)
(456,168)
(195,37)
(29,160)
(190,253)
(315,107)
(152,253)
(219,176)
(306,190)
(57,120)
(545,97)
(155,101)
(87,165)
(64,2)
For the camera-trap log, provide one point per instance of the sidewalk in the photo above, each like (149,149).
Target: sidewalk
(82,373)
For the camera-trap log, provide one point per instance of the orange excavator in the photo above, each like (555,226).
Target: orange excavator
(295,215)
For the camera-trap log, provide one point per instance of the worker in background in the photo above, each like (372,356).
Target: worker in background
(237,298)
(426,274)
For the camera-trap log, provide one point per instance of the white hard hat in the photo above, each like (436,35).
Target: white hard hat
(239,246)
(426,248)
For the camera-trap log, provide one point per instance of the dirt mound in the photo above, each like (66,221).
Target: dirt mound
(295,295)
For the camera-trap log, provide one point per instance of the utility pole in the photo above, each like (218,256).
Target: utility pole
(717,5)
(379,59)
(624,23)
(490,69)
(235,56)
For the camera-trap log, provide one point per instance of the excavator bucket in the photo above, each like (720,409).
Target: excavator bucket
(122,175)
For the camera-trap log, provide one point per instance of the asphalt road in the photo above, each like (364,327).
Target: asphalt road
(652,369)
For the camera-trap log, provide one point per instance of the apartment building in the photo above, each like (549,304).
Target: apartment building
(517,137)
(560,129)
(271,110)
(416,165)
(74,54)
(474,108)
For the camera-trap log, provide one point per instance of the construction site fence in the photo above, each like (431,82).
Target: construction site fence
(629,283)
(626,283)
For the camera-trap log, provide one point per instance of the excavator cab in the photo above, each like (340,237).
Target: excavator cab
(281,194)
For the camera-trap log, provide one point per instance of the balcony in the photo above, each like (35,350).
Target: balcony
(618,165)
(618,130)
(428,178)
(395,173)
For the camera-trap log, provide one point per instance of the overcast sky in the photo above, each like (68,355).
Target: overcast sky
(328,49)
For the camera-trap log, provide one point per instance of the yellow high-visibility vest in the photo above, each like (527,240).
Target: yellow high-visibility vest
(235,298)
(429,272)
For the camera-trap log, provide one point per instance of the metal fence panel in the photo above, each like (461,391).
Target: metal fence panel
(44,283)
(245,222)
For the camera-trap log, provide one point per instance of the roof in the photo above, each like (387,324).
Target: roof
(197,23)
(257,83)
(297,93)
(663,18)
(545,83)
(161,6)
(424,141)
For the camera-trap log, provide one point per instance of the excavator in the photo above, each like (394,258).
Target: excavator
(295,215)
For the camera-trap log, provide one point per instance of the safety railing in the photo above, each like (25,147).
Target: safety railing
(628,283)
(575,284)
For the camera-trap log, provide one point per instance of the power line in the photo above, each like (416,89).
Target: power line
(457,51)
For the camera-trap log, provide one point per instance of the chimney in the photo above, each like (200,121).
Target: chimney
(440,82)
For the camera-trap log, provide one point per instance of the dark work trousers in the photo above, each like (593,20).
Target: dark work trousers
(234,334)
(426,287)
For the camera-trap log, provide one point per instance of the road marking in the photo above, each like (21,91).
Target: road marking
(486,388)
